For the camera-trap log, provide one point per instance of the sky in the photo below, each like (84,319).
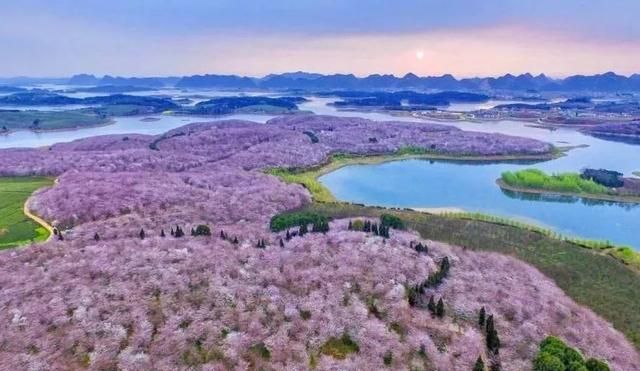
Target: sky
(427,37)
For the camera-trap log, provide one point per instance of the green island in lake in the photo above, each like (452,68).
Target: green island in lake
(595,184)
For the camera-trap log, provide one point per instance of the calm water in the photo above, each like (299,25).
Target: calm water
(122,125)
(425,184)
(420,183)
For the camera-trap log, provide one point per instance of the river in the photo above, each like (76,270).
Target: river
(435,184)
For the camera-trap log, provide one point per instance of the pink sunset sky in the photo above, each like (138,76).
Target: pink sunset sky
(430,37)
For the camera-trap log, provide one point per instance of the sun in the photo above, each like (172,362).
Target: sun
(419,54)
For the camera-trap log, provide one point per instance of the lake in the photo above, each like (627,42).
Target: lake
(425,184)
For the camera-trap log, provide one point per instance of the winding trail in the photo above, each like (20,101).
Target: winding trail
(38,219)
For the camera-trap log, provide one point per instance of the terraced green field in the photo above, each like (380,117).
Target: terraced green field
(15,227)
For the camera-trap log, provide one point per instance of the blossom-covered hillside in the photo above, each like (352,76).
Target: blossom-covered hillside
(165,303)
(123,289)
(241,144)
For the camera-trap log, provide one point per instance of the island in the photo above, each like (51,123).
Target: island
(11,120)
(403,100)
(97,110)
(599,184)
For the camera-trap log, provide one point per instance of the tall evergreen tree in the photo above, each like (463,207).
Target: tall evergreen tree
(490,325)
(172,232)
(222,235)
(235,240)
(162,233)
(479,366)
(440,308)
(96,237)
(482,317)
(431,305)
(493,341)
(303,230)
(288,235)
(141,234)
(350,227)
(281,243)
(193,232)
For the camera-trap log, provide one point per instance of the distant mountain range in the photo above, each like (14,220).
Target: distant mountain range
(606,82)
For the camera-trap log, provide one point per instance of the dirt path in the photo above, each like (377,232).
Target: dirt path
(37,219)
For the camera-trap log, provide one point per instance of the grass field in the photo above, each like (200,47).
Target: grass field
(15,227)
(591,278)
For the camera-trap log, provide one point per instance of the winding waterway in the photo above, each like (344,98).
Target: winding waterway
(441,184)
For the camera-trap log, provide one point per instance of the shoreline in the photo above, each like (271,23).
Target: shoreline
(308,177)
(109,122)
(599,197)
(320,194)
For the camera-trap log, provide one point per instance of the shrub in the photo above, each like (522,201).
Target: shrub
(281,222)
(202,230)
(554,355)
(305,314)
(479,365)
(312,136)
(340,348)
(387,358)
(357,225)
(261,350)
(603,177)
(392,221)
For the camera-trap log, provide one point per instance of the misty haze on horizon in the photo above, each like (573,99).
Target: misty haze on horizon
(60,38)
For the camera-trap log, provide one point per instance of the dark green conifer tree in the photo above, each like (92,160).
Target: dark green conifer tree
(482,317)
(431,305)
(162,233)
(141,234)
(281,243)
(493,341)
(479,366)
(235,240)
(440,308)
(490,326)
(96,237)
(350,227)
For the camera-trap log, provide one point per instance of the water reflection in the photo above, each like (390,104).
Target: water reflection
(568,199)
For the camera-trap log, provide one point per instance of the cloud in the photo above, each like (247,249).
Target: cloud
(62,37)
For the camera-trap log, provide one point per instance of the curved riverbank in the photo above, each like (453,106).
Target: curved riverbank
(601,197)
(308,177)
